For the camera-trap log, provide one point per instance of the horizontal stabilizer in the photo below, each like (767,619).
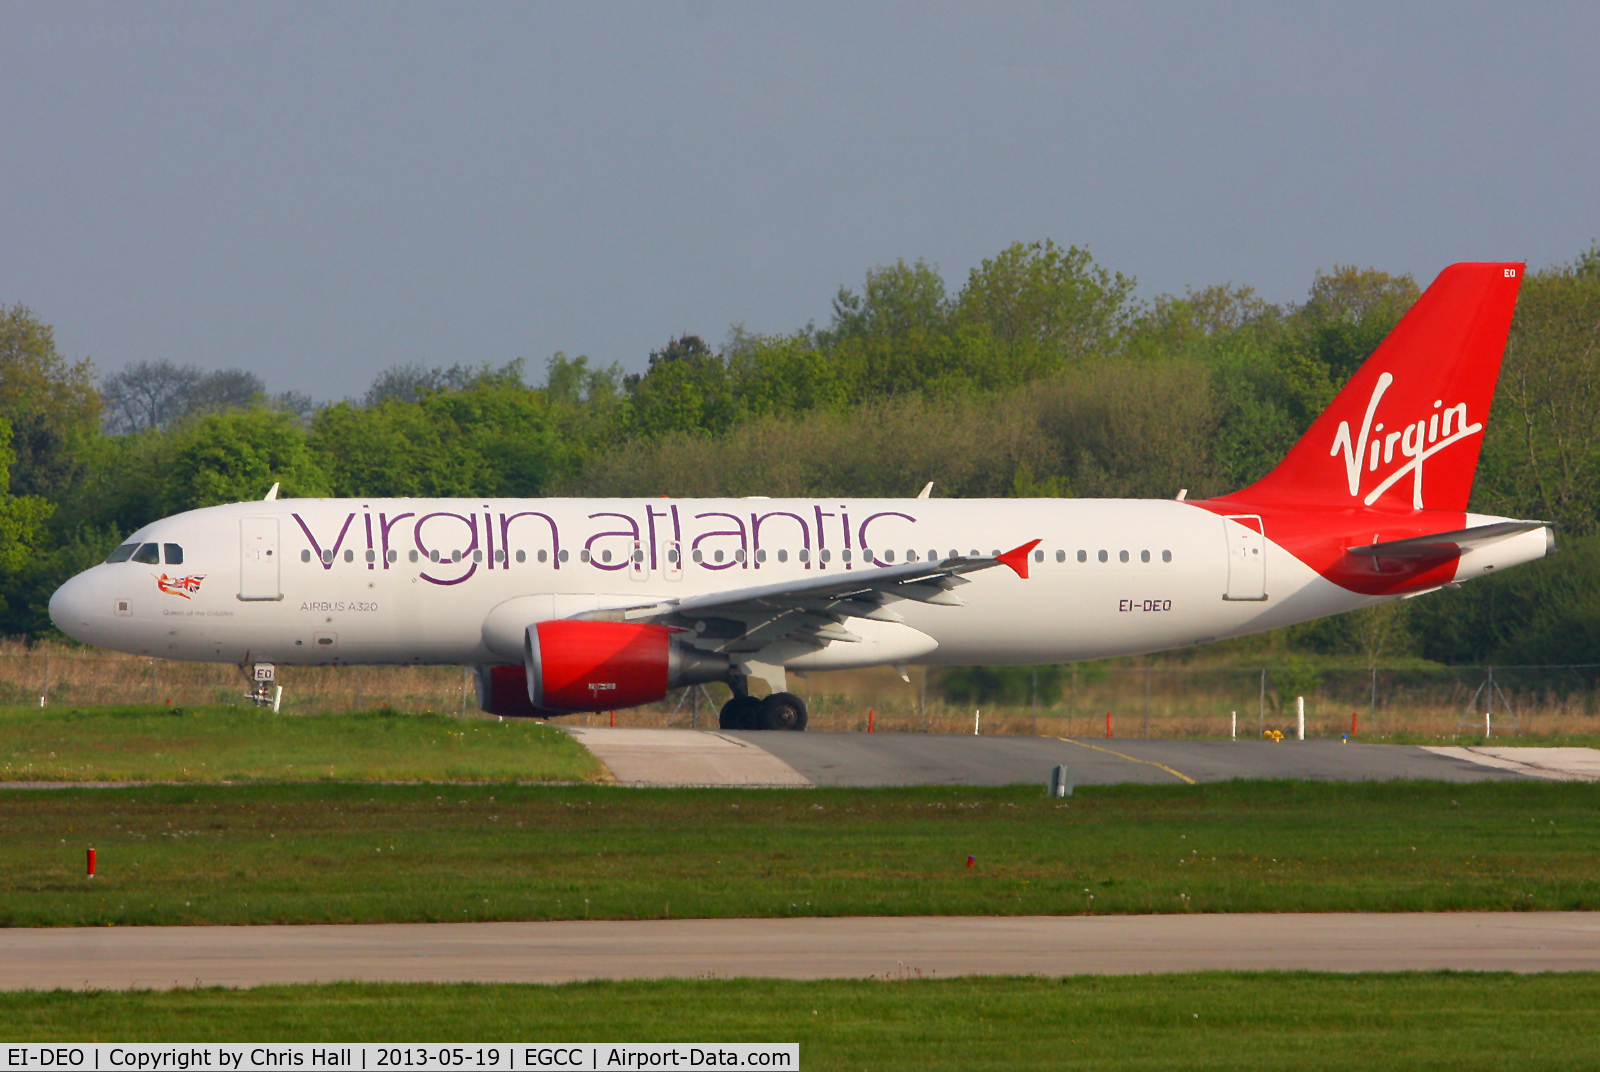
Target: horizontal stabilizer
(1445,544)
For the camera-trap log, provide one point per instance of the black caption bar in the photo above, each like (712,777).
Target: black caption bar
(400,1057)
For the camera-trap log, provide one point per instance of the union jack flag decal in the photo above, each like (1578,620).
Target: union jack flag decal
(179,586)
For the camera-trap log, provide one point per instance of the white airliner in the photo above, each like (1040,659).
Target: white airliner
(567,605)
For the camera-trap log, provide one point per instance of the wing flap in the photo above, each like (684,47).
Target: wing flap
(813,609)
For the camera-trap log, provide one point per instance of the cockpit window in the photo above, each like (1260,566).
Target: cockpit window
(123,553)
(174,553)
(148,553)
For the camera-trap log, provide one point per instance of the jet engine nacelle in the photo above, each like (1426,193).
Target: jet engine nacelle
(503,690)
(599,666)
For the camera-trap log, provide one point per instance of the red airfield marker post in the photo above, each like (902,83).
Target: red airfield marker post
(91,863)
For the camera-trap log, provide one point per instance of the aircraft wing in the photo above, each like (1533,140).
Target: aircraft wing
(815,609)
(1445,544)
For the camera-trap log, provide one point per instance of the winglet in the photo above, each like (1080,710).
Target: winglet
(1017,558)
(272,493)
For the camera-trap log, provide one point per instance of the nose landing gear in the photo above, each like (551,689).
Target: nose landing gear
(264,688)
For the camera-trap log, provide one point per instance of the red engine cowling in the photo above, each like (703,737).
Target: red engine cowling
(600,666)
(503,690)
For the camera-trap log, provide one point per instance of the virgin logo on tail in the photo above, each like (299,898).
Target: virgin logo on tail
(1415,443)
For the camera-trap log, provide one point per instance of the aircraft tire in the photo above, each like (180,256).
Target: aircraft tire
(783,711)
(740,713)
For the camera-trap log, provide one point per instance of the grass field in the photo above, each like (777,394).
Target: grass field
(355,853)
(1201,1021)
(176,744)
(1188,694)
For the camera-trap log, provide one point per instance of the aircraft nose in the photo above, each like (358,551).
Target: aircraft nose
(70,608)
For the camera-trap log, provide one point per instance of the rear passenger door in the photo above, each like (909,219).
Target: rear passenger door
(258,559)
(1247,558)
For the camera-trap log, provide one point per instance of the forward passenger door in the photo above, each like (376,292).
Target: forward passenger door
(259,559)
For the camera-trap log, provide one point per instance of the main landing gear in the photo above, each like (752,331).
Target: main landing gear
(780,711)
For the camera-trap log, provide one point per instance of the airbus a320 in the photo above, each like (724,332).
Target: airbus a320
(568,605)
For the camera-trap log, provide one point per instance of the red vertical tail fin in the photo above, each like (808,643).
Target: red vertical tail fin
(1406,431)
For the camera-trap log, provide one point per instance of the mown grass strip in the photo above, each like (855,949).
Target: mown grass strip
(1263,1020)
(233,744)
(368,853)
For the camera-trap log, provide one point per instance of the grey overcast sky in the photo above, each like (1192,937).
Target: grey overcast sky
(318,191)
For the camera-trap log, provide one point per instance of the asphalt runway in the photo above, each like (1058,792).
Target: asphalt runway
(875,759)
(852,947)
(646,757)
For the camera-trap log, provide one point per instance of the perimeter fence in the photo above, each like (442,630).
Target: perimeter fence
(1151,700)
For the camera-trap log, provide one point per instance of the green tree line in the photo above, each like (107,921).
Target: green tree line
(1040,374)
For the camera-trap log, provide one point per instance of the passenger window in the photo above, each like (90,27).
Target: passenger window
(349,556)
(1083,556)
(123,553)
(805,554)
(583,556)
(1038,556)
(954,554)
(697,555)
(1061,556)
(500,556)
(605,556)
(825,554)
(327,556)
(148,554)
(761,554)
(717,554)
(392,556)
(1166,556)
(1144,556)
(783,555)
(173,553)
(845,554)
(1104,557)
(372,556)
(305,556)
(562,557)
(866,554)
(1122,556)
(911,556)
(477,556)
(433,556)
(412,555)
(933,556)
(888,556)
(672,556)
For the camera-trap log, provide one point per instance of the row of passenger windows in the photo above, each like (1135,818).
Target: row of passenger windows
(148,553)
(435,556)
(804,555)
